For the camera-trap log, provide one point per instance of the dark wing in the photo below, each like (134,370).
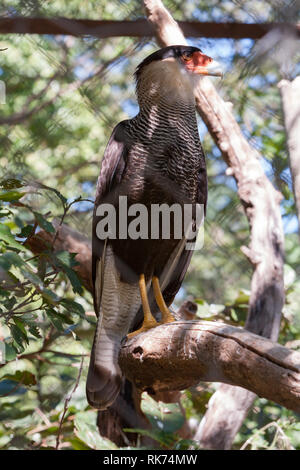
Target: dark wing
(181,267)
(112,168)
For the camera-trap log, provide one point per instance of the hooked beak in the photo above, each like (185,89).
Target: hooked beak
(214,69)
(202,64)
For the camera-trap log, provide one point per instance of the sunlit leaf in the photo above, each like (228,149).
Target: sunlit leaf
(11,196)
(24,377)
(165,417)
(87,431)
(7,237)
(44,223)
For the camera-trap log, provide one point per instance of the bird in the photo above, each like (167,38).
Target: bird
(153,159)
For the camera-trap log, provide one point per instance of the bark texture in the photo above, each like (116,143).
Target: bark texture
(265,252)
(178,355)
(290,96)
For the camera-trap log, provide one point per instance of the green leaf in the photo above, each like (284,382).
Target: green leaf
(165,417)
(44,223)
(87,431)
(164,438)
(20,365)
(10,352)
(77,444)
(58,194)
(20,325)
(9,196)
(58,319)
(55,319)
(9,259)
(65,261)
(11,183)
(74,307)
(49,296)
(25,231)
(31,276)
(76,284)
(35,331)
(5,212)
(7,237)
(66,258)
(42,266)
(234,315)
(19,336)
(22,376)
(242,297)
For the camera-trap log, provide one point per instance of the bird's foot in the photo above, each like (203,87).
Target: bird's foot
(167,317)
(149,320)
(147,325)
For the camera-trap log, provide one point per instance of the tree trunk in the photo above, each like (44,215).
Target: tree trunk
(290,96)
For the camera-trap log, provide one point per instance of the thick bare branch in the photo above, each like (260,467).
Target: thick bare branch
(261,203)
(178,355)
(290,95)
(227,409)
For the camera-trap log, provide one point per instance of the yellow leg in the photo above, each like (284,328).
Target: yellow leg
(149,320)
(167,317)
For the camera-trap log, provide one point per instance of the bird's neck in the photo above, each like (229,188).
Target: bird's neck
(166,116)
(165,85)
(166,98)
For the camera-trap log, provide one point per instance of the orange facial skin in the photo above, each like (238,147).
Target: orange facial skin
(197,62)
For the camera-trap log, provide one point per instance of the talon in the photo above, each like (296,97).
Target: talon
(149,320)
(167,316)
(145,327)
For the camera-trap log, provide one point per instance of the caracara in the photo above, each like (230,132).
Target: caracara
(151,160)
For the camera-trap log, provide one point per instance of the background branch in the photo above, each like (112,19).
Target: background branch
(137,28)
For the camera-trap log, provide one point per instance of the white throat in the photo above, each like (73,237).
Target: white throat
(166,81)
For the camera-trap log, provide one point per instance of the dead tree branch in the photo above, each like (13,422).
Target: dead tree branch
(178,355)
(290,96)
(137,28)
(261,204)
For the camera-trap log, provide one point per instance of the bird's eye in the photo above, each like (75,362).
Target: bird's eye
(187,56)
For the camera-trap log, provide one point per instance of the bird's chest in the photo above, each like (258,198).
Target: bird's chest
(164,172)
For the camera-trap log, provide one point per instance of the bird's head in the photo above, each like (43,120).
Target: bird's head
(172,72)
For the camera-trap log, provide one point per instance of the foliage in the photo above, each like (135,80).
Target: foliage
(63,97)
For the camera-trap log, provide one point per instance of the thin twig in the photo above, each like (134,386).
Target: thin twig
(67,405)
(263,429)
